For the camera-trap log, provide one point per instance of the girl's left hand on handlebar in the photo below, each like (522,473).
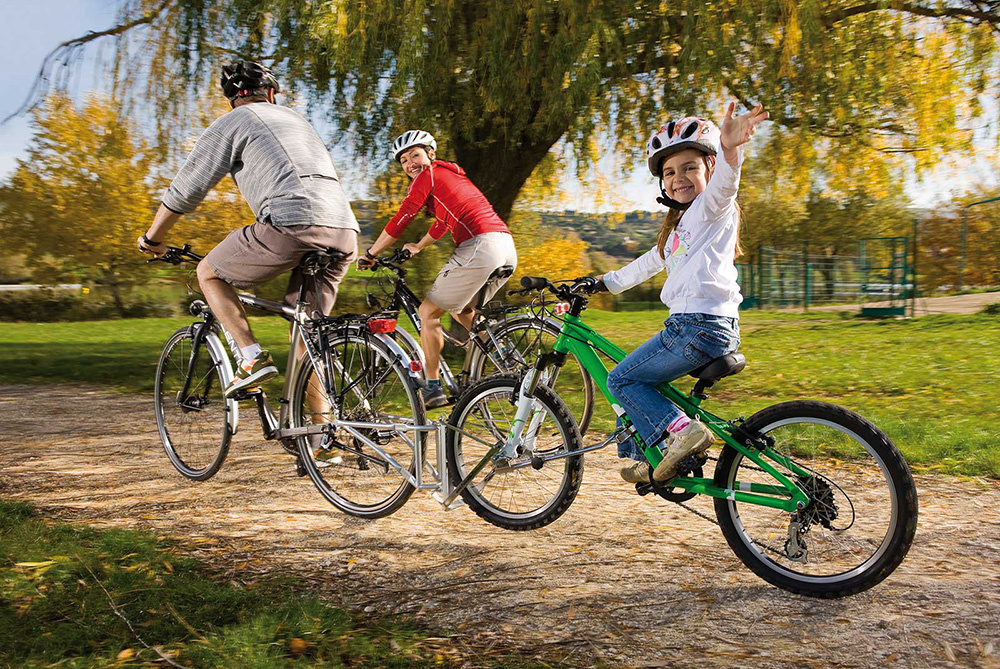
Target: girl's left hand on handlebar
(412,248)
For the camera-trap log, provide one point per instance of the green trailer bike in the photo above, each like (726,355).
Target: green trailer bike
(810,496)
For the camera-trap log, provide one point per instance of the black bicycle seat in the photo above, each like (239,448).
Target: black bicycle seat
(502,272)
(727,365)
(317,260)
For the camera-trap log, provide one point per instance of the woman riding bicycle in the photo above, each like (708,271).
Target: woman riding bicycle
(696,246)
(483,243)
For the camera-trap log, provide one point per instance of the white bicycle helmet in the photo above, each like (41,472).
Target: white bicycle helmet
(690,132)
(412,138)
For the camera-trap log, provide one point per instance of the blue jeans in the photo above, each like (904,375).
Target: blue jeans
(686,342)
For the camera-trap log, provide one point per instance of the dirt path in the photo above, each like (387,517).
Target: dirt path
(592,586)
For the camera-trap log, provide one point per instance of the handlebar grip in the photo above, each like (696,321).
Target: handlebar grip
(404,255)
(534,282)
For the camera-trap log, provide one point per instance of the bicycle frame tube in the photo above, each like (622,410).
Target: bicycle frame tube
(582,341)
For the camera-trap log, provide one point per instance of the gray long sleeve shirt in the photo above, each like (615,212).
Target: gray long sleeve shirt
(278,161)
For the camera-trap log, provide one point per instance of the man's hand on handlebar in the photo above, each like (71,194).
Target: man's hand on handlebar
(148,246)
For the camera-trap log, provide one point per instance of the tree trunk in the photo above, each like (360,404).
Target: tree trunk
(499,172)
(116,294)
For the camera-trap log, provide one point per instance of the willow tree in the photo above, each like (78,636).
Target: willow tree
(503,81)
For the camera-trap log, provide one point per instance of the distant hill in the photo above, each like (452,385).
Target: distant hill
(616,234)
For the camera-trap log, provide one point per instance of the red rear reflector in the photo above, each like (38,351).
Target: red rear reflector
(382,325)
(561,308)
(416,366)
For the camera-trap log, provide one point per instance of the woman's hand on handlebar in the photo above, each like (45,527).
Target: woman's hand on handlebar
(367,260)
(413,249)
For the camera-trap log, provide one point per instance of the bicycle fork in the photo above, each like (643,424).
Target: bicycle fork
(529,415)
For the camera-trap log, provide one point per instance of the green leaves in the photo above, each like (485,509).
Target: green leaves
(502,82)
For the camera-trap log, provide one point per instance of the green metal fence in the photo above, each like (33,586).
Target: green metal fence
(878,279)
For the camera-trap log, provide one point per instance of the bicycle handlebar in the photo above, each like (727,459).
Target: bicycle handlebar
(584,285)
(393,262)
(176,256)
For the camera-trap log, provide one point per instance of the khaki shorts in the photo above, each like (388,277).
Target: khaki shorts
(458,283)
(260,252)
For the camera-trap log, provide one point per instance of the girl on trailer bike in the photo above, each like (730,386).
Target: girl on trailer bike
(697,245)
(482,244)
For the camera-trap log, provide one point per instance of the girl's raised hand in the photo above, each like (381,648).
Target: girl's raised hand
(737,130)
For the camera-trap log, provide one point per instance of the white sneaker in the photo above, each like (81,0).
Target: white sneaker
(693,439)
(636,472)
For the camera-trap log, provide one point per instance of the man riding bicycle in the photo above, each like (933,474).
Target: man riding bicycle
(482,244)
(286,175)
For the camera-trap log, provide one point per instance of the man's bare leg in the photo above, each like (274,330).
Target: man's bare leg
(225,305)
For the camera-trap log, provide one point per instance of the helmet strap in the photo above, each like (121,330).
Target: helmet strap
(668,201)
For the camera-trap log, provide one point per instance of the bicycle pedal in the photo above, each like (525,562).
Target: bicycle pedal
(690,464)
(300,469)
(643,488)
(247,394)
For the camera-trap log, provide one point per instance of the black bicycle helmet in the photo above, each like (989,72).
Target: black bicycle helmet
(247,78)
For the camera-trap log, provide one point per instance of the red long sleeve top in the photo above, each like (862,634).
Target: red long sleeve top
(454,202)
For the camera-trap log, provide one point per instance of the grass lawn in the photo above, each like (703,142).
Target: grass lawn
(930,383)
(60,585)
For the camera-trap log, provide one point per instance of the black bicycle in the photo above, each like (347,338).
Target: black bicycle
(505,339)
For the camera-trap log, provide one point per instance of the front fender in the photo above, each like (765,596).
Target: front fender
(221,358)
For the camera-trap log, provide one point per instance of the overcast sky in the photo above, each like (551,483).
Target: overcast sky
(32,29)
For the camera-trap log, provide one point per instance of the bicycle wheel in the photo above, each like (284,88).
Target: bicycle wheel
(524,339)
(193,426)
(511,493)
(863,511)
(368,384)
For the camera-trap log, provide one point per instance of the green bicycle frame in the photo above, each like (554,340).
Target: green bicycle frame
(581,340)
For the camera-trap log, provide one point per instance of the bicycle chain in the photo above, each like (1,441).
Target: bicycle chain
(716,523)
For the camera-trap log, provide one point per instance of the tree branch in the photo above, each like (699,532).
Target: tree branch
(979,14)
(64,52)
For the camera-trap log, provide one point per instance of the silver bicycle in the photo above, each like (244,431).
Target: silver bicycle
(352,415)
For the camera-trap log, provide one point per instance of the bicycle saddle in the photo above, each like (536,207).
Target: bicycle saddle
(727,365)
(502,272)
(316,260)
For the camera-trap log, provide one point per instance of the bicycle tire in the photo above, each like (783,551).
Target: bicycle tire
(570,476)
(361,483)
(845,442)
(194,433)
(573,378)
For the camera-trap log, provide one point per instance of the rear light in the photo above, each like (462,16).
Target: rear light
(561,308)
(377,325)
(416,366)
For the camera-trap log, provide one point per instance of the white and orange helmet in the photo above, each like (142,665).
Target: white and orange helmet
(690,132)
